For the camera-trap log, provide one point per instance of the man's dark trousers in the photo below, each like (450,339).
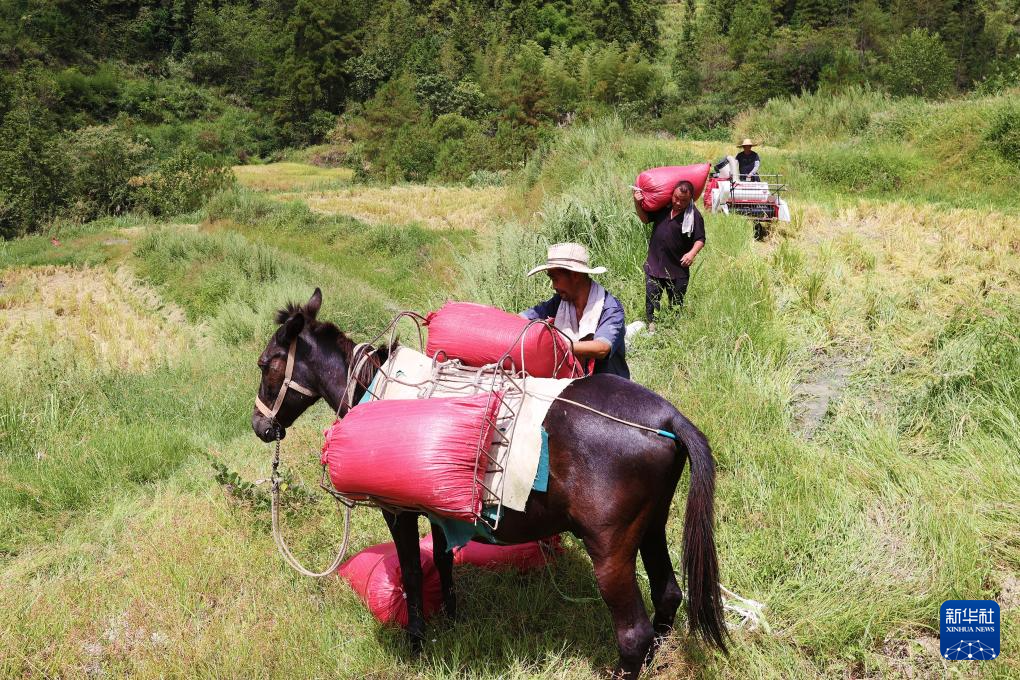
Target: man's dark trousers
(675,290)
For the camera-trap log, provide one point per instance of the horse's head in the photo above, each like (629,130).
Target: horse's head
(292,367)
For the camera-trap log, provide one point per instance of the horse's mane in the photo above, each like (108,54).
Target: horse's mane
(284,314)
(327,331)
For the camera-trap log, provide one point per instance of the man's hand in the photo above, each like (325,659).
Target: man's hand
(688,258)
(641,214)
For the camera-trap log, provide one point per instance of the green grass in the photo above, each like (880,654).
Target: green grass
(121,554)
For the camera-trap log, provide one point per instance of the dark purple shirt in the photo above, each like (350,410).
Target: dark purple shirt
(668,243)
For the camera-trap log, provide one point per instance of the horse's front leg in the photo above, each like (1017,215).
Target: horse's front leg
(404,529)
(444,564)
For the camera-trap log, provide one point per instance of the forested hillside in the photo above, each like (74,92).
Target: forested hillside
(110,106)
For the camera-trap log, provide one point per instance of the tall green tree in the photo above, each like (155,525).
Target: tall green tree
(314,74)
(920,65)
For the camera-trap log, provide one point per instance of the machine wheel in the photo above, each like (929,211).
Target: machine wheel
(760,231)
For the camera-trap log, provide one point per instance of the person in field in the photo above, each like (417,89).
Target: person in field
(749,162)
(678,235)
(582,309)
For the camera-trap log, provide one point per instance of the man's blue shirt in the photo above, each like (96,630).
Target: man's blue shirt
(610,329)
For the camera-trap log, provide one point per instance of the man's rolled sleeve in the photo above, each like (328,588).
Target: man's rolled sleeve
(698,232)
(610,328)
(543,310)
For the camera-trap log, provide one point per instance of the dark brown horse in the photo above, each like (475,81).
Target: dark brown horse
(611,485)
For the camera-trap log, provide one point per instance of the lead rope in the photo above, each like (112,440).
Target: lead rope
(360,357)
(281,544)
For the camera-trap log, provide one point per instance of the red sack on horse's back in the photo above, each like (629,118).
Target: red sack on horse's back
(374,574)
(657,184)
(414,453)
(479,335)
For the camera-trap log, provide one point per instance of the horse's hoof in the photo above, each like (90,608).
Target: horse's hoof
(657,642)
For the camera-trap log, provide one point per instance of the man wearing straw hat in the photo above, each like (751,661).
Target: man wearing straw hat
(749,162)
(582,309)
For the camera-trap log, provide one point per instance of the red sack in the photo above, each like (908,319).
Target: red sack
(522,557)
(479,335)
(374,574)
(657,184)
(415,453)
(712,184)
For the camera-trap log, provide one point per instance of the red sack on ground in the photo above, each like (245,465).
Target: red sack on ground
(657,184)
(416,453)
(479,335)
(522,557)
(374,574)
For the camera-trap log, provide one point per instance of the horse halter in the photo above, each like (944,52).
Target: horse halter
(287,383)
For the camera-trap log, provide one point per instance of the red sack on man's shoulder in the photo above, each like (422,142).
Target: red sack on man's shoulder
(414,453)
(479,335)
(657,184)
(374,574)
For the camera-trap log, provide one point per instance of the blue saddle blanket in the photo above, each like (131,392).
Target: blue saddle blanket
(459,532)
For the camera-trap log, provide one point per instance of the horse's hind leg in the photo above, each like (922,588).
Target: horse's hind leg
(665,591)
(614,572)
(444,564)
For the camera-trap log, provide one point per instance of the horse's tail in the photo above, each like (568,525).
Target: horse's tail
(700,565)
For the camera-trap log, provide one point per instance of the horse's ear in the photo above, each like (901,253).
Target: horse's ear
(312,306)
(291,329)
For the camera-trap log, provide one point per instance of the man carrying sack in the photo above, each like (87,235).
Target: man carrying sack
(582,309)
(678,235)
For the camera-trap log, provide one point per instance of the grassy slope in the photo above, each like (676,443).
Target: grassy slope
(122,555)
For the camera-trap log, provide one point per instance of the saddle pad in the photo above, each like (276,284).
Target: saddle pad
(522,461)
(411,376)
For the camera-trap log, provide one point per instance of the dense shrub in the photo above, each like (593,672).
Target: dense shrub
(153,100)
(235,134)
(181,182)
(920,65)
(89,95)
(1004,134)
(813,116)
(104,160)
(460,147)
(33,170)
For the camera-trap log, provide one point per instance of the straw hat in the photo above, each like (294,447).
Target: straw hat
(572,256)
(747,142)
